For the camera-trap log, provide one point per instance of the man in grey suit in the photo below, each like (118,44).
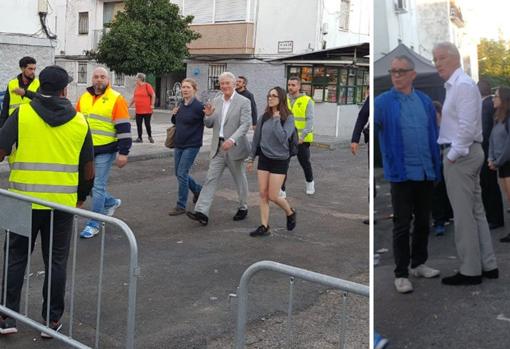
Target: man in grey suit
(230,117)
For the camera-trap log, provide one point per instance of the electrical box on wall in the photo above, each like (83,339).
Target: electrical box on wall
(42,6)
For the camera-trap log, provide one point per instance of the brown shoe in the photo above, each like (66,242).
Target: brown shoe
(176,211)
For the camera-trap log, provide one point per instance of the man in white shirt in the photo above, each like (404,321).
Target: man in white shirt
(460,136)
(230,117)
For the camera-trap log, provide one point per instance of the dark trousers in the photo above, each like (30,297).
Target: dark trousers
(410,198)
(491,196)
(303,156)
(146,118)
(18,255)
(441,207)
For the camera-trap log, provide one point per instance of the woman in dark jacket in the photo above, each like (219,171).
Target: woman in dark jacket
(499,142)
(188,118)
(271,144)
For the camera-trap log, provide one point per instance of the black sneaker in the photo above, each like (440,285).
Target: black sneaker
(291,220)
(262,230)
(55,326)
(198,216)
(7,326)
(138,140)
(241,214)
(462,280)
(151,140)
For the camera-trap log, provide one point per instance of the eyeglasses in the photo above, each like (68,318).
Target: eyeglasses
(272,96)
(399,72)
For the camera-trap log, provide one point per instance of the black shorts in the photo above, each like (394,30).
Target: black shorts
(272,165)
(504,171)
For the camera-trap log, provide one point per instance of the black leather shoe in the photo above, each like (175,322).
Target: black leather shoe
(493,226)
(291,220)
(491,274)
(195,197)
(198,216)
(241,214)
(459,279)
(505,239)
(261,231)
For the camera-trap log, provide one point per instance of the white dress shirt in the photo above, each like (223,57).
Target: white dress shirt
(224,111)
(461,123)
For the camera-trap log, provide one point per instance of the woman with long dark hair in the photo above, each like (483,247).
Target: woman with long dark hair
(271,144)
(499,143)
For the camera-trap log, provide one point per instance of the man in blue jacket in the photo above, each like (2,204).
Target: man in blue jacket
(406,123)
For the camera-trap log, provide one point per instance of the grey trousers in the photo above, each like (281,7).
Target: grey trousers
(472,234)
(216,167)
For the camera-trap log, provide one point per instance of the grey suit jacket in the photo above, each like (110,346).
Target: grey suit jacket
(237,124)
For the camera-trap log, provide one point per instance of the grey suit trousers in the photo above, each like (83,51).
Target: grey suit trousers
(472,234)
(216,167)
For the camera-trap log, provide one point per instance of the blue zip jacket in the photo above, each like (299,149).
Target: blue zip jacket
(387,124)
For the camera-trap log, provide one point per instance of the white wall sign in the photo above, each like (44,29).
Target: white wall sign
(285,46)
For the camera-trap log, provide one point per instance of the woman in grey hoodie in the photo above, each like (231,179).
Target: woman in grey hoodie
(271,143)
(499,143)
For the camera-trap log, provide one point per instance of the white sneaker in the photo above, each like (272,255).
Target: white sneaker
(426,272)
(403,285)
(111,210)
(310,188)
(282,194)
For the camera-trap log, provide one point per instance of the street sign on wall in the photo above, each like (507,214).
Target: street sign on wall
(285,46)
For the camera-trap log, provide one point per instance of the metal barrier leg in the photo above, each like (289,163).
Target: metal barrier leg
(342,321)
(50,265)
(29,255)
(100,286)
(6,264)
(289,313)
(73,274)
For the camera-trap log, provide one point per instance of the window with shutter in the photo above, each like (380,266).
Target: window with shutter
(230,10)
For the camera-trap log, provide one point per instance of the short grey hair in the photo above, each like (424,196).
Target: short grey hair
(227,76)
(449,47)
(140,76)
(407,59)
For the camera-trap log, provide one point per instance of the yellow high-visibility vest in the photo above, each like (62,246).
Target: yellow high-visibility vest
(45,162)
(16,100)
(99,116)
(298,109)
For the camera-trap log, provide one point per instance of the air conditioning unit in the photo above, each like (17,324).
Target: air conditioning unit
(42,6)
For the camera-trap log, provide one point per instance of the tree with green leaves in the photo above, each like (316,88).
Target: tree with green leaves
(494,62)
(148,36)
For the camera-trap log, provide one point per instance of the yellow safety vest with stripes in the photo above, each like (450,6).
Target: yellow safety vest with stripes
(16,100)
(99,116)
(45,162)
(298,109)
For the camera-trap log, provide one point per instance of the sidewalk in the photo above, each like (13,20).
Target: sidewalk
(434,315)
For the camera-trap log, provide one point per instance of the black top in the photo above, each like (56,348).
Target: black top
(249,95)
(361,121)
(189,125)
(487,122)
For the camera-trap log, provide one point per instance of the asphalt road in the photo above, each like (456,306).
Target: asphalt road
(437,316)
(188,271)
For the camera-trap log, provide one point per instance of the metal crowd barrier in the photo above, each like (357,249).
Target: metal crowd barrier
(16,218)
(293,272)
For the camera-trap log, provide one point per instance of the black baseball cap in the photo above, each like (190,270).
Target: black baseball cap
(53,79)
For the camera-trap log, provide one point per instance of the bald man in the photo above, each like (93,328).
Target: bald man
(107,114)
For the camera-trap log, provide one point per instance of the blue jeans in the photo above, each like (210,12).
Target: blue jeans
(184,158)
(101,199)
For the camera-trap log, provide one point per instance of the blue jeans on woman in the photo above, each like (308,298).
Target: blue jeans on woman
(101,199)
(184,158)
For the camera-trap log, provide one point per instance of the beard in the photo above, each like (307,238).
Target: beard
(99,88)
